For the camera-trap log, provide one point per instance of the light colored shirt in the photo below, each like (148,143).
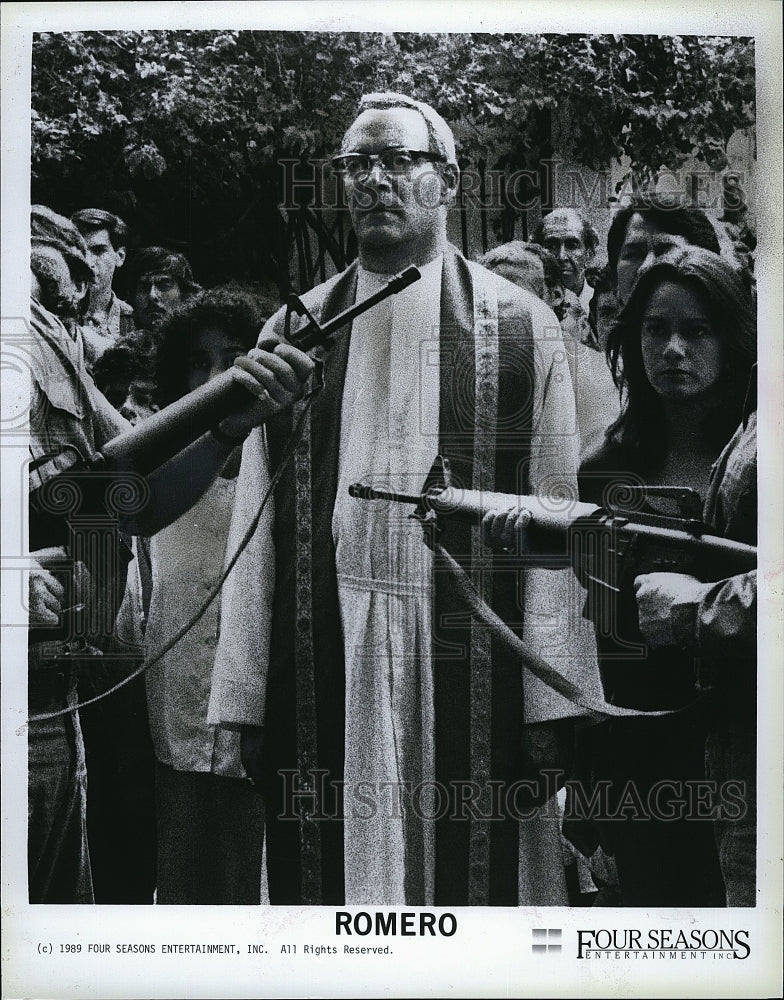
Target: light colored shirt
(719,619)
(585,296)
(70,419)
(187,559)
(100,335)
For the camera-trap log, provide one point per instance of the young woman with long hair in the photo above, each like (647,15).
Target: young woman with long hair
(681,352)
(683,348)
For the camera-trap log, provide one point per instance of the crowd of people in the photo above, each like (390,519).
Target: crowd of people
(335,726)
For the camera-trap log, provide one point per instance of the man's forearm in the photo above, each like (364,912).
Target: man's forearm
(718,620)
(177,485)
(726,617)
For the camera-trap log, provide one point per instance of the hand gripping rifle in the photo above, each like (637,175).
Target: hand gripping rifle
(165,434)
(606,546)
(83,504)
(560,529)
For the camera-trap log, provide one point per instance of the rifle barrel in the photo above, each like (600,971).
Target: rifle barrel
(161,436)
(553,518)
(362,492)
(165,434)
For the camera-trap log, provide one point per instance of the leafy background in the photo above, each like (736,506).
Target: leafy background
(183,132)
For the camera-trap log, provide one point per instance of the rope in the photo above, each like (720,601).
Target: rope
(538,667)
(485,614)
(287,455)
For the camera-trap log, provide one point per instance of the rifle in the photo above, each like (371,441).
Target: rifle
(607,547)
(82,506)
(559,529)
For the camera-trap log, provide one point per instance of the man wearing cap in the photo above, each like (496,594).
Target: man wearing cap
(70,421)
(108,318)
(364,690)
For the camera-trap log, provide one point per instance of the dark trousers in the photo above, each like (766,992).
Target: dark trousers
(121,775)
(731,756)
(210,837)
(661,836)
(58,858)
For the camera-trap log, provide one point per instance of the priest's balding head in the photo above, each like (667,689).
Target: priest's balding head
(399,166)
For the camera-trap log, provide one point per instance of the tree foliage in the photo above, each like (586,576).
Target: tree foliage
(192,125)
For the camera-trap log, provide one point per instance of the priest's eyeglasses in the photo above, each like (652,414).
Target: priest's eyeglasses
(396,161)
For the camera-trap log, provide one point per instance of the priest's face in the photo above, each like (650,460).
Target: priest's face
(397,189)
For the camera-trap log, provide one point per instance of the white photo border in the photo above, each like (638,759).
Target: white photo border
(491,953)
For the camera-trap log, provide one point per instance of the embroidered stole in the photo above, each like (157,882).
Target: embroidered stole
(486,393)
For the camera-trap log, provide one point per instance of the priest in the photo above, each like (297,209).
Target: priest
(390,733)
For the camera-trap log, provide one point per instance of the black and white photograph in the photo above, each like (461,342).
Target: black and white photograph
(381,525)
